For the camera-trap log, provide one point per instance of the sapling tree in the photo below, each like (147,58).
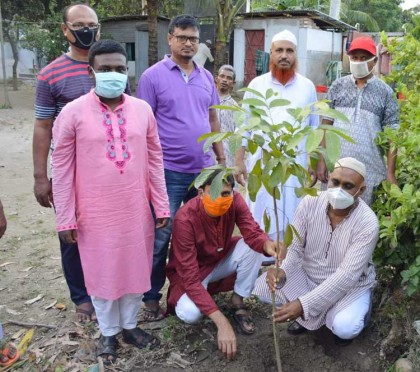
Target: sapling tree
(280,144)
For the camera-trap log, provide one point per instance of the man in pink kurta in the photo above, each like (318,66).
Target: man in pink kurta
(108,168)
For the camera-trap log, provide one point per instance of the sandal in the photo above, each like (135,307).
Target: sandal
(153,315)
(140,339)
(107,347)
(242,318)
(9,355)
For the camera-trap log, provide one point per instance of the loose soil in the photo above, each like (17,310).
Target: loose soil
(30,267)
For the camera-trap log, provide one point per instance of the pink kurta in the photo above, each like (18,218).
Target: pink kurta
(107,169)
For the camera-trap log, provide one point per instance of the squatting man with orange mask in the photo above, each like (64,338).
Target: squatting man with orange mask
(288,84)
(206,259)
(327,276)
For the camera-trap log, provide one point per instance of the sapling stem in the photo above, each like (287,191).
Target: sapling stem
(273,294)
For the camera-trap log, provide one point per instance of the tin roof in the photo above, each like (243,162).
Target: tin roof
(322,20)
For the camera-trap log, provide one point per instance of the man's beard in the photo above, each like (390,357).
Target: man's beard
(283,75)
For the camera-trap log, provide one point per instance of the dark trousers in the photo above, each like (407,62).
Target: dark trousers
(73,273)
(177,185)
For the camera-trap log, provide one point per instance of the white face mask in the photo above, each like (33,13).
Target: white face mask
(110,84)
(360,69)
(338,198)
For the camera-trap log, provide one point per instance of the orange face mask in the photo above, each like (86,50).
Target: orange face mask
(217,207)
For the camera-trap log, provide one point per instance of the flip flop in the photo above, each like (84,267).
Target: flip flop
(6,352)
(107,346)
(242,318)
(140,339)
(157,314)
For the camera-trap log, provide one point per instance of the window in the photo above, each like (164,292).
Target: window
(131,51)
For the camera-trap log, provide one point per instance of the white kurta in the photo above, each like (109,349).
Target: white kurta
(300,91)
(330,268)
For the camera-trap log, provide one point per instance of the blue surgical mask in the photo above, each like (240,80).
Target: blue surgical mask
(110,84)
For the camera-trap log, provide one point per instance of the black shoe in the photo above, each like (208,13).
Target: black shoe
(341,341)
(295,328)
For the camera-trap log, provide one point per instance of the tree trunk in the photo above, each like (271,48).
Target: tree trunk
(152,25)
(221,55)
(15,52)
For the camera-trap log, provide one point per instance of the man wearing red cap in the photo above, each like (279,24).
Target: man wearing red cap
(370,105)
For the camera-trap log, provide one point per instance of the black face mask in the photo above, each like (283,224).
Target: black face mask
(84,37)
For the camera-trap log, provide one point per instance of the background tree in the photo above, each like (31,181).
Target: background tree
(12,12)
(397,255)
(224,13)
(152,8)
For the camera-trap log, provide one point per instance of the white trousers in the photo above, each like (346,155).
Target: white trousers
(242,260)
(349,322)
(115,315)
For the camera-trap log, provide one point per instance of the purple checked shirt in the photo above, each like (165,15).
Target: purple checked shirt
(181,109)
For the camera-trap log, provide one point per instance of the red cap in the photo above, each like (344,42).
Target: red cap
(363,43)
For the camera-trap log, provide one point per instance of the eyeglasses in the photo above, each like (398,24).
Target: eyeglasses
(81,26)
(183,39)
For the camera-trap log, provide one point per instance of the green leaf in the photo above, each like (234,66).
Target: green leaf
(252,146)
(296,233)
(253,102)
(217,185)
(259,140)
(340,132)
(239,118)
(269,93)
(314,139)
(302,191)
(254,184)
(267,222)
(279,102)
(294,112)
(333,146)
(234,143)
(230,108)
(279,175)
(321,105)
(252,91)
(202,178)
(333,114)
(288,236)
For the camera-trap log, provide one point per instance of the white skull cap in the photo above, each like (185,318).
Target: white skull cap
(285,35)
(352,164)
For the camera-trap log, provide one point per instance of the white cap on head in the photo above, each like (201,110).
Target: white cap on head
(352,164)
(285,35)
(208,42)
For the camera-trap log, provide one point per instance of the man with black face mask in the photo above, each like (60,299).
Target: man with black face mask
(62,81)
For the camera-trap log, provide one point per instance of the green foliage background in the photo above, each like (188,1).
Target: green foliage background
(398,208)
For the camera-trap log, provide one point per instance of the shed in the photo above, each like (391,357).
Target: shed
(319,36)
(132,31)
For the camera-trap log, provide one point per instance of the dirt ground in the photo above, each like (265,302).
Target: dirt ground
(30,268)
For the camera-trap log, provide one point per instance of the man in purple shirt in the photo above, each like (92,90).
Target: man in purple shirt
(180,93)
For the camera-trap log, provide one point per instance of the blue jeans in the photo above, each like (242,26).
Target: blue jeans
(177,185)
(73,273)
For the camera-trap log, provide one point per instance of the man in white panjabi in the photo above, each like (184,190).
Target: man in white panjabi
(328,275)
(203,53)
(283,79)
